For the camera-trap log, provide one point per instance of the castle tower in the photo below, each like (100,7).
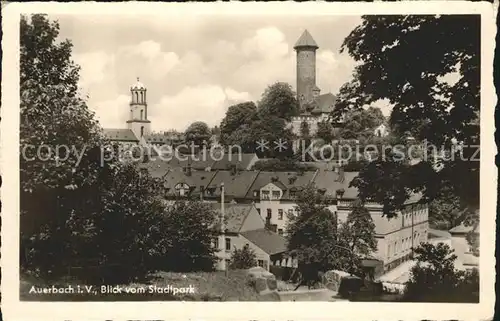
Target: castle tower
(138,120)
(306,69)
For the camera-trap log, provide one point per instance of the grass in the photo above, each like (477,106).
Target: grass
(208,286)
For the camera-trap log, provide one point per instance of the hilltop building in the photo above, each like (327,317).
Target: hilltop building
(314,107)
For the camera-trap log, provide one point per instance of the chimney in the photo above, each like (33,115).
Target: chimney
(188,170)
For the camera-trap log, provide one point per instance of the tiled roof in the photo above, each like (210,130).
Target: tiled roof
(268,241)
(195,180)
(305,40)
(235,215)
(328,180)
(242,161)
(120,134)
(288,179)
(324,104)
(157,168)
(235,185)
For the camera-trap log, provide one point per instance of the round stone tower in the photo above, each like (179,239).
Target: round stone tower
(306,68)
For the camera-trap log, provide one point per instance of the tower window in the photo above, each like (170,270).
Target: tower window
(142,97)
(142,131)
(136,97)
(142,114)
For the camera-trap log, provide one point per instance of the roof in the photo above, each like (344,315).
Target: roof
(438,233)
(235,215)
(268,241)
(242,161)
(164,137)
(236,185)
(120,134)
(305,40)
(324,103)
(156,168)
(195,180)
(137,85)
(288,179)
(329,181)
(470,260)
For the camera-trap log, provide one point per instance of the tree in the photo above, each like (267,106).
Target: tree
(434,278)
(244,258)
(79,204)
(357,234)
(278,100)
(325,131)
(190,228)
(439,110)
(312,235)
(237,117)
(198,133)
(360,123)
(446,210)
(272,130)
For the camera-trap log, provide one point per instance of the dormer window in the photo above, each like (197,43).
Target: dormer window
(255,193)
(276,195)
(265,195)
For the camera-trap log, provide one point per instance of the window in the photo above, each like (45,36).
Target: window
(280,214)
(395,248)
(389,253)
(142,114)
(280,231)
(216,242)
(293,194)
(265,195)
(255,193)
(276,195)
(181,192)
(261,263)
(269,213)
(142,131)
(228,244)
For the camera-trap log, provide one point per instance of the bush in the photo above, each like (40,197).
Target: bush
(244,258)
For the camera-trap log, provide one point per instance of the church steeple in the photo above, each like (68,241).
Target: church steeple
(138,120)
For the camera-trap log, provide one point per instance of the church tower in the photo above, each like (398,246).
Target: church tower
(138,120)
(306,69)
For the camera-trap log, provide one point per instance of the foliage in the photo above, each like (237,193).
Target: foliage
(423,103)
(84,208)
(245,124)
(198,133)
(236,117)
(446,210)
(325,131)
(244,258)
(434,278)
(357,234)
(355,166)
(473,241)
(278,100)
(360,123)
(313,230)
(190,228)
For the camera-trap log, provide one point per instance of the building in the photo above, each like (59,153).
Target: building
(381,131)
(272,194)
(314,107)
(244,226)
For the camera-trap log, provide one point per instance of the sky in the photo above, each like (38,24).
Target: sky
(195,67)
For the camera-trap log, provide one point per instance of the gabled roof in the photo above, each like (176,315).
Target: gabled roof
(290,180)
(235,215)
(236,185)
(324,104)
(120,135)
(268,241)
(195,180)
(242,161)
(329,180)
(461,229)
(305,40)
